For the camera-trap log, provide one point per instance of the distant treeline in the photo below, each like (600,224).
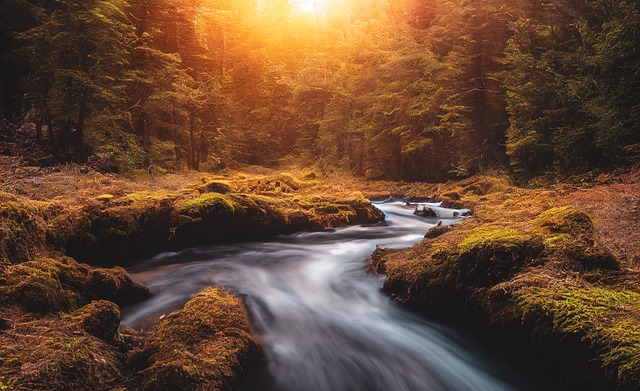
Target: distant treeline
(408,89)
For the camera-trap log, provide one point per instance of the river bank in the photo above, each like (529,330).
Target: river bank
(63,230)
(551,273)
(551,270)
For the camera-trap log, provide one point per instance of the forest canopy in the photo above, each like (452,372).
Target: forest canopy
(409,89)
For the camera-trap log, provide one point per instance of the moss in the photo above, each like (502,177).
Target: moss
(504,237)
(36,286)
(52,353)
(553,240)
(221,187)
(50,285)
(205,205)
(200,347)
(22,230)
(566,220)
(105,198)
(116,285)
(609,319)
(146,199)
(98,318)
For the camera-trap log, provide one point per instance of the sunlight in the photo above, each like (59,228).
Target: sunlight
(309,7)
(304,6)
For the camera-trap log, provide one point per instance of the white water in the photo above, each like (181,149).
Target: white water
(318,313)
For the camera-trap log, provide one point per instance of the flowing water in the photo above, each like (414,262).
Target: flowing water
(318,313)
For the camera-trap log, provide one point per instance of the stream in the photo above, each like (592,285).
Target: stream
(320,315)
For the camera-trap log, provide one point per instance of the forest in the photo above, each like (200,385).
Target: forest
(320,195)
(424,90)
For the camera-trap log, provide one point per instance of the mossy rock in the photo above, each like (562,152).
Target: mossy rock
(36,286)
(566,220)
(200,347)
(438,230)
(115,285)
(98,318)
(606,319)
(52,285)
(215,187)
(489,255)
(22,230)
(208,204)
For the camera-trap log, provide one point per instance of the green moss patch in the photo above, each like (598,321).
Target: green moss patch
(606,318)
(206,205)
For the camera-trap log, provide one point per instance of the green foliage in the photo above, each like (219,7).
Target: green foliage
(572,73)
(401,90)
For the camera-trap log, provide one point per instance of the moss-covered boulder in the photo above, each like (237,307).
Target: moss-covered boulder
(52,285)
(200,347)
(22,229)
(116,285)
(38,285)
(98,318)
(489,255)
(215,187)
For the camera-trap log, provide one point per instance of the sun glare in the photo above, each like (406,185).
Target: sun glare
(304,6)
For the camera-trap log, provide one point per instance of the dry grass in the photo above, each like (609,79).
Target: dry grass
(49,353)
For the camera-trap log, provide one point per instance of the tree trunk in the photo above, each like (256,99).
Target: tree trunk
(81,154)
(50,134)
(39,131)
(176,144)
(193,155)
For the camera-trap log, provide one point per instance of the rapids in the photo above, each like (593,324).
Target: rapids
(319,314)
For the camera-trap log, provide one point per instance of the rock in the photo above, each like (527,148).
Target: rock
(116,285)
(99,318)
(214,187)
(425,212)
(438,230)
(378,264)
(200,347)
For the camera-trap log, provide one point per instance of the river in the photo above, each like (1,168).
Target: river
(320,315)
